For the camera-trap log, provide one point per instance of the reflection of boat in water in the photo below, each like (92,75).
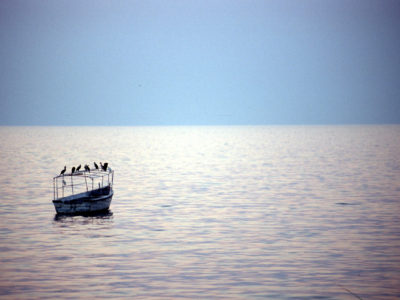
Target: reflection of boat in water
(101,217)
(83,192)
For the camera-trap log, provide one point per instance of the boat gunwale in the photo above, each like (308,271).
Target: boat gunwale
(85,198)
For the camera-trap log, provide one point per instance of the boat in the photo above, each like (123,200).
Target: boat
(83,192)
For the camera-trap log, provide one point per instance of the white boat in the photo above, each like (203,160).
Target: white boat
(83,192)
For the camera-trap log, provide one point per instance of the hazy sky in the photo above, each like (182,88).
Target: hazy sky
(199,62)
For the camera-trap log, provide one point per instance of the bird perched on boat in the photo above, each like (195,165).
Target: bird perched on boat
(105,166)
(87,168)
(96,165)
(63,170)
(78,168)
(72,170)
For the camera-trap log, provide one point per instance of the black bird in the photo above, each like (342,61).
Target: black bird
(78,168)
(96,166)
(72,170)
(87,168)
(63,170)
(105,166)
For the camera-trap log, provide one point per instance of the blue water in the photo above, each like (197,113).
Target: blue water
(284,212)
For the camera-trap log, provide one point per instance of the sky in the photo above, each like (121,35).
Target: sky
(186,62)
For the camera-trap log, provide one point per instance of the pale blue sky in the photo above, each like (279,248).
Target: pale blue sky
(199,62)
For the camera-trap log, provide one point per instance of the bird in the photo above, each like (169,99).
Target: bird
(78,168)
(63,170)
(96,166)
(105,166)
(87,168)
(72,170)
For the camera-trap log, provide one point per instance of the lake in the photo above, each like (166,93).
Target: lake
(241,212)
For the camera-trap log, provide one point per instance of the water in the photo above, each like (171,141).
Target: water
(205,212)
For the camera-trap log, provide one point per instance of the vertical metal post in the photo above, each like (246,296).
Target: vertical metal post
(57,187)
(86,183)
(72,185)
(63,186)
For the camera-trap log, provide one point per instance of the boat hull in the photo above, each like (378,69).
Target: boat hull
(84,203)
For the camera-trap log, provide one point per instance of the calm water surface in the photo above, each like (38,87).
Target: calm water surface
(205,212)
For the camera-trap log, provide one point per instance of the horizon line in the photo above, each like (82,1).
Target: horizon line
(204,125)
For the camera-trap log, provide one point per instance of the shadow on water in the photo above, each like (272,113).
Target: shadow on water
(346,203)
(103,215)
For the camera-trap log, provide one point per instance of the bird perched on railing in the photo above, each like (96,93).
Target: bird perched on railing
(87,168)
(63,170)
(72,170)
(78,168)
(105,166)
(96,165)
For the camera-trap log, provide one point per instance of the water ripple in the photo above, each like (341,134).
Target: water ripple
(206,212)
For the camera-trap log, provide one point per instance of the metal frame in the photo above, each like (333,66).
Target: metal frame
(81,179)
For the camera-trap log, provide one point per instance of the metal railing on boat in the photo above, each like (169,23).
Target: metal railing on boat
(77,182)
